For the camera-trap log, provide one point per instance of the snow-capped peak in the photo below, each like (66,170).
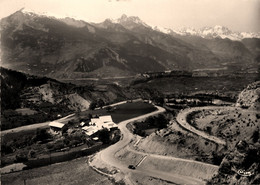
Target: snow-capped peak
(124,19)
(216,32)
(162,29)
(31,12)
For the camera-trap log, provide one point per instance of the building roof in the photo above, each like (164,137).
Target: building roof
(56,124)
(110,125)
(97,124)
(89,130)
(106,119)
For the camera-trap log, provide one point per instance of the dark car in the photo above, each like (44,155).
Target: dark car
(131,167)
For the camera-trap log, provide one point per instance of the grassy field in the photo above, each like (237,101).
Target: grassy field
(72,172)
(188,85)
(123,112)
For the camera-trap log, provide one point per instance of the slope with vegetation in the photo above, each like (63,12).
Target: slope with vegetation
(241,164)
(28,99)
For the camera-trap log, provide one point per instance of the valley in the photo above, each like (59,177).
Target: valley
(173,142)
(124,102)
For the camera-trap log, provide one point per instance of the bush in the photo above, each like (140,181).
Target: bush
(104,136)
(41,135)
(32,154)
(21,158)
(6,149)
(92,105)
(58,145)
(49,146)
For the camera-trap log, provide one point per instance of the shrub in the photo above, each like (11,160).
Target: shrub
(21,157)
(6,149)
(49,146)
(92,105)
(104,136)
(58,145)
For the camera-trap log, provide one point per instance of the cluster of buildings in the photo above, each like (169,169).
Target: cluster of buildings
(90,128)
(97,124)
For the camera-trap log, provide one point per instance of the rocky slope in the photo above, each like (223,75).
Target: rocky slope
(250,97)
(240,166)
(69,48)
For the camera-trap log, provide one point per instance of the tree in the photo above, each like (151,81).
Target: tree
(162,121)
(6,149)
(159,100)
(100,103)
(32,154)
(92,105)
(104,136)
(41,135)
(20,157)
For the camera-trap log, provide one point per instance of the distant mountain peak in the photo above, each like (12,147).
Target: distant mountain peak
(124,16)
(32,12)
(162,29)
(130,21)
(217,31)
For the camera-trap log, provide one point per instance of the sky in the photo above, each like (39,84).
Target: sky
(237,15)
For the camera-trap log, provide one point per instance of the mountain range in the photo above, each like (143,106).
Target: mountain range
(70,48)
(210,32)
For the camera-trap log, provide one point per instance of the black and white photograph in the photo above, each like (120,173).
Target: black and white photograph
(130,92)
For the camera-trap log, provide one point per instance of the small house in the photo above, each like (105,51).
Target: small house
(57,126)
(105,119)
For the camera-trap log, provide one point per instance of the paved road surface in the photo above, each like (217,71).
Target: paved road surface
(182,120)
(108,156)
(37,125)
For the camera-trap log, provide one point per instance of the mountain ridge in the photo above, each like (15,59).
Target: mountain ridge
(210,32)
(65,47)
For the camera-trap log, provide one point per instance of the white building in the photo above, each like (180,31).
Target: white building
(106,119)
(56,127)
(90,130)
(100,123)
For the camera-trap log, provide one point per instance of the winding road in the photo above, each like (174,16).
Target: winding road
(182,120)
(108,157)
